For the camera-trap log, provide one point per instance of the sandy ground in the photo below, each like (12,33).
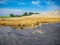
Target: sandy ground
(29,21)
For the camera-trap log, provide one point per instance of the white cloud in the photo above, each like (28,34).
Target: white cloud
(35,2)
(8,11)
(50,2)
(52,5)
(3,2)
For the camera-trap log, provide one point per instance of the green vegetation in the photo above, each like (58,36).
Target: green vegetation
(30,13)
(11,15)
(24,14)
(5,17)
(36,13)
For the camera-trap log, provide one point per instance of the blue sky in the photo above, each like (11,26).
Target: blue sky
(21,6)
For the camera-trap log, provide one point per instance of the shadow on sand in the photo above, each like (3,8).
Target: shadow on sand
(48,34)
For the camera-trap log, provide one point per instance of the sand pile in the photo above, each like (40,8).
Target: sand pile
(31,21)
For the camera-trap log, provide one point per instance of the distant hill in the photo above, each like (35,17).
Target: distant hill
(55,13)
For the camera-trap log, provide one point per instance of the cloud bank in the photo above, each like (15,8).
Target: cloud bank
(8,11)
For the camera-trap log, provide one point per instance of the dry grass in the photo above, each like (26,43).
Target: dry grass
(28,21)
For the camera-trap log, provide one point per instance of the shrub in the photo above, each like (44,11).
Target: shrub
(36,13)
(25,14)
(30,13)
(11,15)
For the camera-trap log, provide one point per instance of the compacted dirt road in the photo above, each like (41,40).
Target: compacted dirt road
(48,34)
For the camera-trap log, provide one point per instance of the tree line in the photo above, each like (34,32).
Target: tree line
(24,14)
